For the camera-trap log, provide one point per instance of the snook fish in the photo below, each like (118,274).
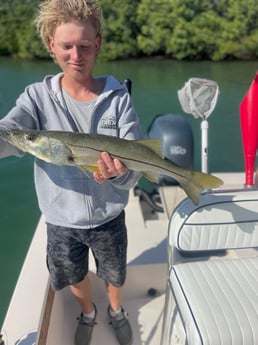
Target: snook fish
(82,150)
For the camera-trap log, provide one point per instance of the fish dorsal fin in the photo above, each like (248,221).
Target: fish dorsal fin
(153,144)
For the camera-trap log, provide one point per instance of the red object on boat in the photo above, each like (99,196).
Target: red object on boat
(249,127)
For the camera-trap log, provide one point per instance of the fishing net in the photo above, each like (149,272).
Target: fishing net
(199,97)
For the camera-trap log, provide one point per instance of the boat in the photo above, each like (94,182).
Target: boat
(192,269)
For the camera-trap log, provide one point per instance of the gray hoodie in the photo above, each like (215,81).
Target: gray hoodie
(66,196)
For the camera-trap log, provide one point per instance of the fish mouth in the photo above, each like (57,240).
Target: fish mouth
(12,138)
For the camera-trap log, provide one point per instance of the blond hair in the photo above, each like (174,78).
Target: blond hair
(52,13)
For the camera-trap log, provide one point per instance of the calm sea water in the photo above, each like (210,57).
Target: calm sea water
(155,85)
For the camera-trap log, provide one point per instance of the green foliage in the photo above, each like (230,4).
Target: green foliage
(179,29)
(120,31)
(17,33)
(196,39)
(199,29)
(239,27)
(156,23)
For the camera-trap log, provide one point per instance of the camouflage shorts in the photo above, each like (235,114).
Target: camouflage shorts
(68,251)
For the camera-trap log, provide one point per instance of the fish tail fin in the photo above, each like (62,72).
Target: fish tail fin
(199,182)
(206,181)
(192,190)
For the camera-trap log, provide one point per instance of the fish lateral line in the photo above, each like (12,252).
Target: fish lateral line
(123,158)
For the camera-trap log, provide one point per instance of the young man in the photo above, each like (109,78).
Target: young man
(81,211)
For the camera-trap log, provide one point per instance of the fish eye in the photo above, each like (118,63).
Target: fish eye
(30,137)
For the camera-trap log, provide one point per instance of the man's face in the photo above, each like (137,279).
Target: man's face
(75,47)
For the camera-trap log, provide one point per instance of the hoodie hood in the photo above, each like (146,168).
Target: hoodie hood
(53,85)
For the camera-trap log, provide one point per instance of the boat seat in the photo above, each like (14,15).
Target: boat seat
(213,277)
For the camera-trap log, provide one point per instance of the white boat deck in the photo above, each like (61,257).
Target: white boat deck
(147,273)
(147,267)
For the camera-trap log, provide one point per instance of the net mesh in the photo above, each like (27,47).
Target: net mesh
(199,97)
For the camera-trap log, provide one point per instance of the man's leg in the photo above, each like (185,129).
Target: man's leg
(82,292)
(114,296)
(118,317)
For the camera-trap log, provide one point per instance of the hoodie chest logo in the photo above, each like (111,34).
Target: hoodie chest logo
(109,123)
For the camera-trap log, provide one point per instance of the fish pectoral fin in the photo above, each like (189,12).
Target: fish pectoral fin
(153,144)
(150,176)
(87,168)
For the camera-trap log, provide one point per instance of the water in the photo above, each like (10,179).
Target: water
(155,85)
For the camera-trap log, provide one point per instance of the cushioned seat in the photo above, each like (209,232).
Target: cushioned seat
(218,301)
(212,291)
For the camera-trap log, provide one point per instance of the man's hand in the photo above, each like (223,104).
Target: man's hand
(108,167)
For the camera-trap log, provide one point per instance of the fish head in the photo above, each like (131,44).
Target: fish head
(22,140)
(33,142)
(40,145)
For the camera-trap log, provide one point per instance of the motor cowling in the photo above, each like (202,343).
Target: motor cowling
(176,136)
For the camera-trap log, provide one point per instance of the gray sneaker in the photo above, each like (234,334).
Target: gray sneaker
(84,329)
(122,328)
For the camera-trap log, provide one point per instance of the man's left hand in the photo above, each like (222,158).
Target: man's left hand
(108,167)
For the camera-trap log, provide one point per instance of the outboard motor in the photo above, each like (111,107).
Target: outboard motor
(176,138)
